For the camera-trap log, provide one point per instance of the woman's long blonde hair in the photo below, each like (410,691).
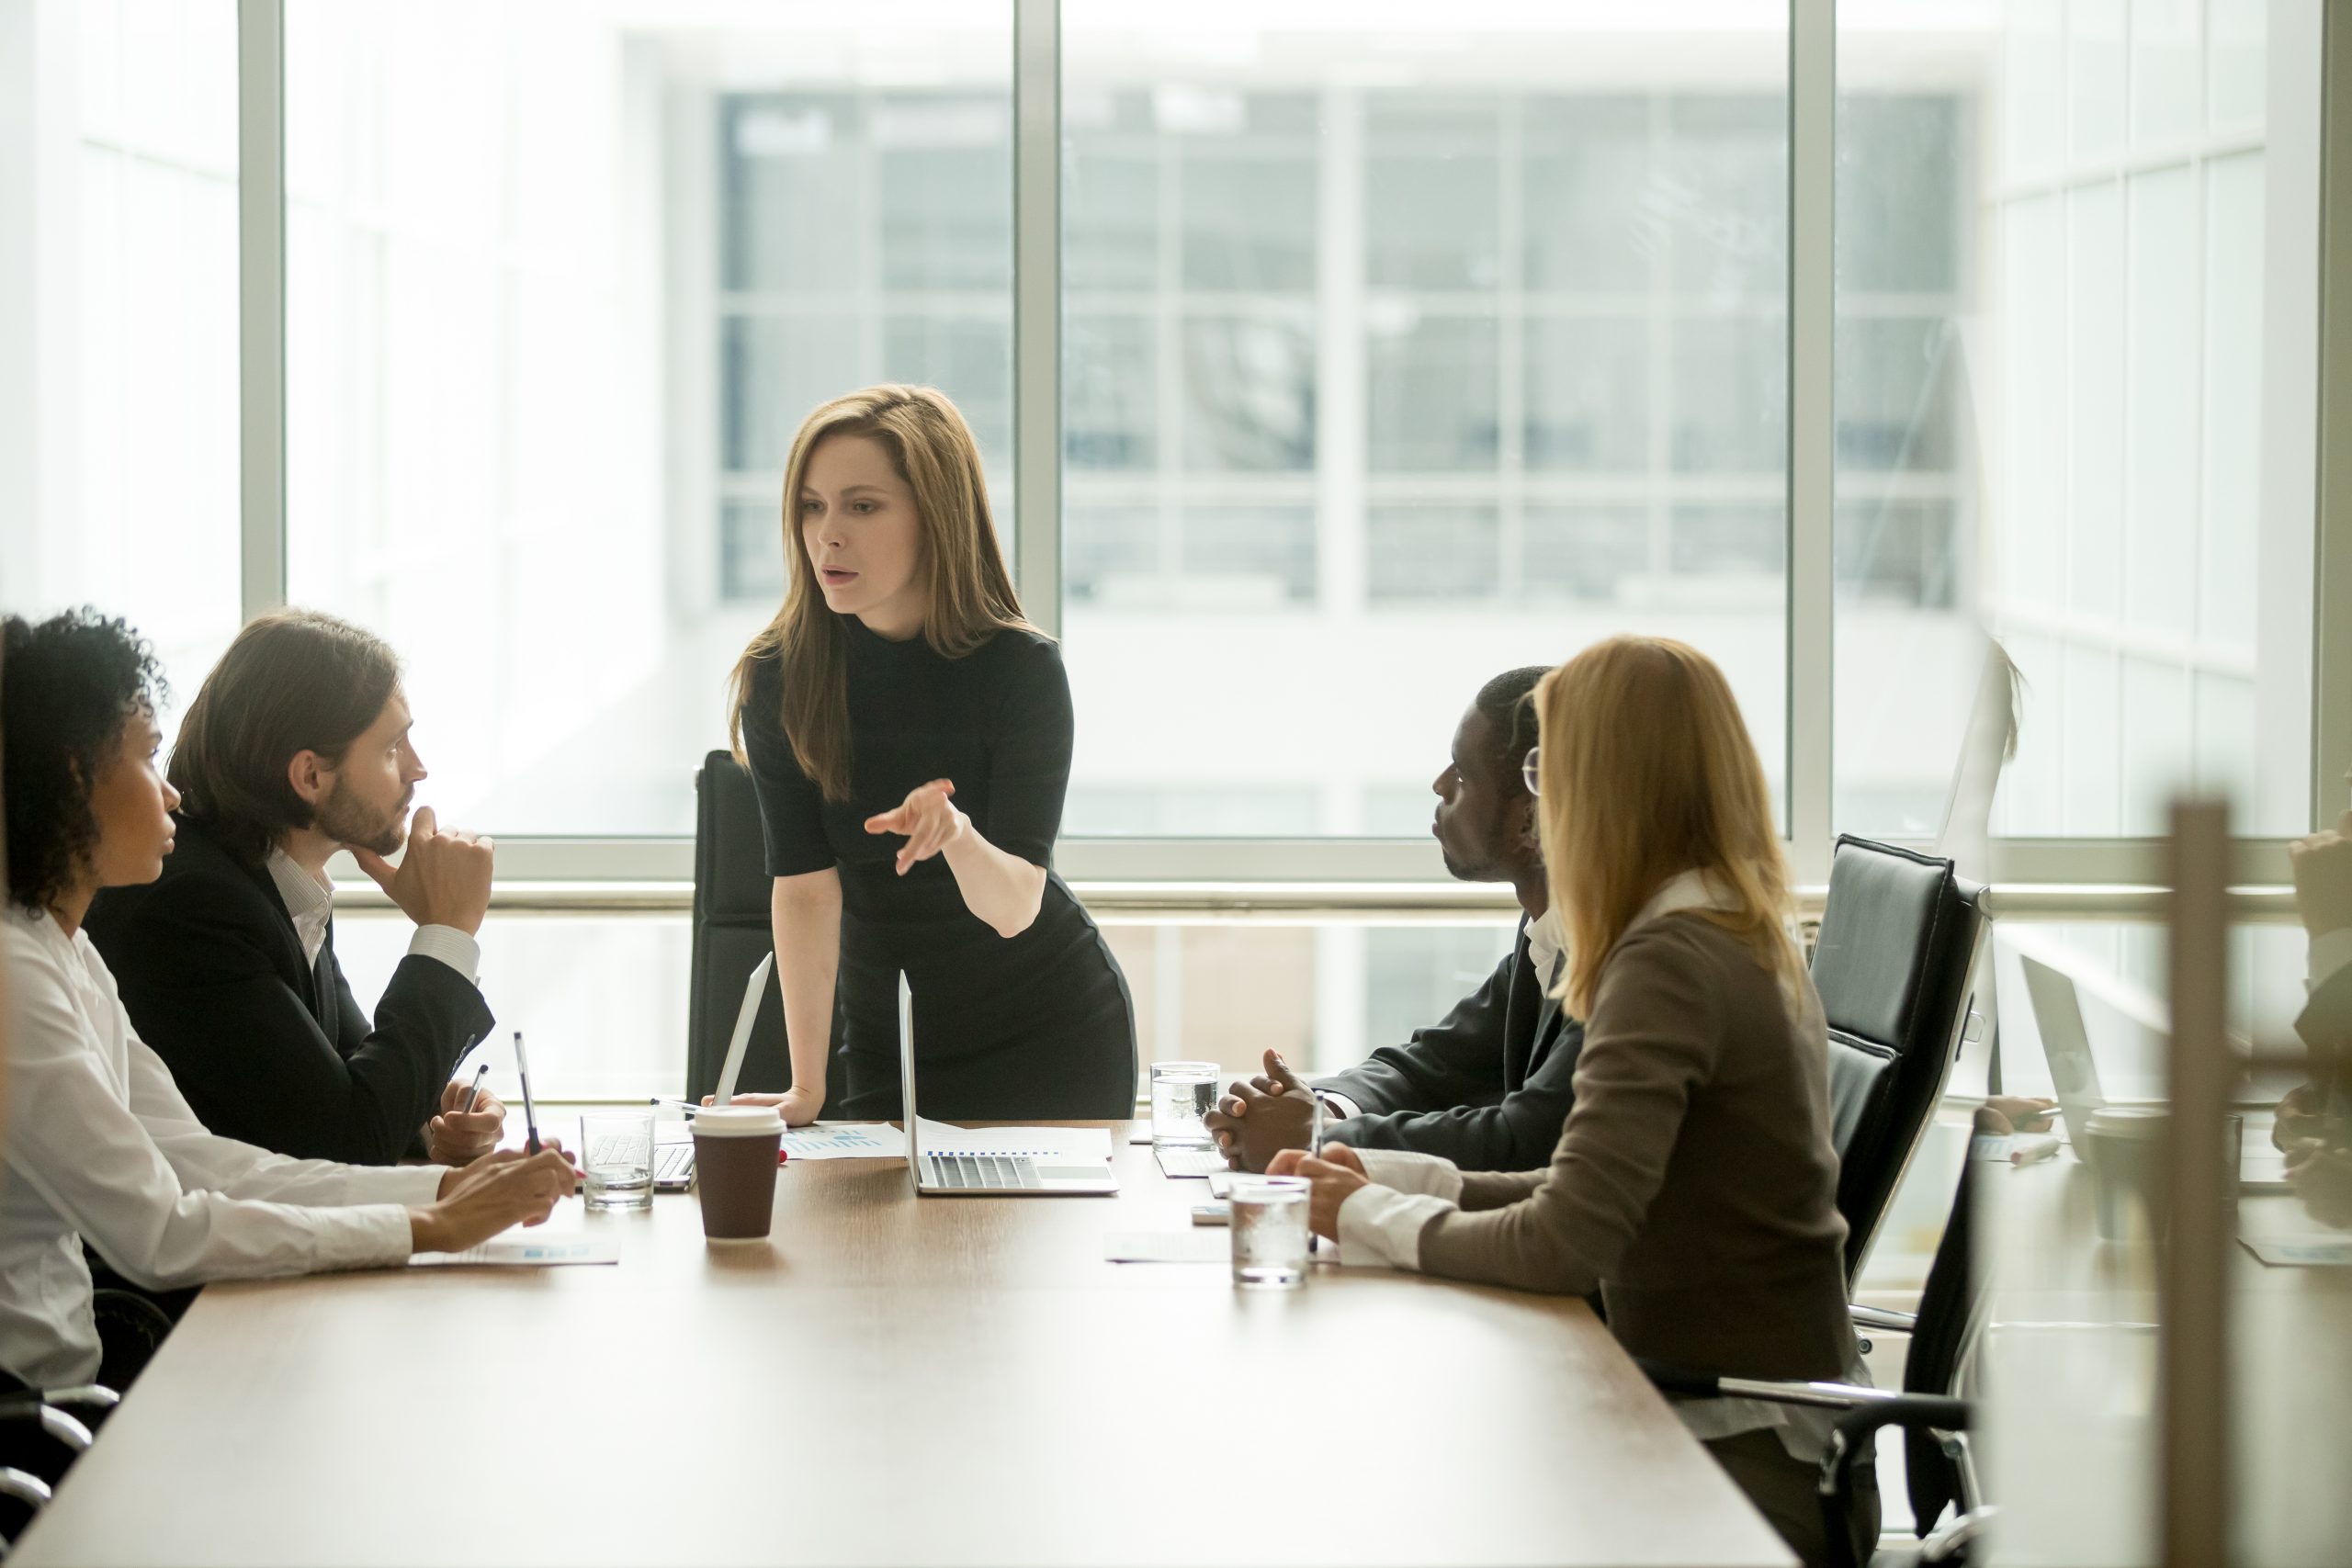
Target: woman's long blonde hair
(971,596)
(1647,772)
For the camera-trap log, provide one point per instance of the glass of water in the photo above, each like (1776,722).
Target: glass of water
(1181,1093)
(617,1159)
(1268,1218)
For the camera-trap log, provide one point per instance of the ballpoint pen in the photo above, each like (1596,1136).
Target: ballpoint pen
(474,1093)
(530,1117)
(1314,1147)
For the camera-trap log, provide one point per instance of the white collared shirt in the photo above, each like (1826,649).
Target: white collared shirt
(310,900)
(1548,945)
(101,1145)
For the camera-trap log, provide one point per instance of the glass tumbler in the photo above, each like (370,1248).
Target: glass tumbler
(1181,1093)
(1268,1219)
(617,1159)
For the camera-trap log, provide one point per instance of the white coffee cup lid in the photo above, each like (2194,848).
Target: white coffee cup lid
(737,1121)
(2128,1121)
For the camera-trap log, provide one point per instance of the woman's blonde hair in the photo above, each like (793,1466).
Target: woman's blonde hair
(1647,772)
(970,593)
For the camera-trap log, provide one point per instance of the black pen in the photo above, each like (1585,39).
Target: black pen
(1315,1148)
(474,1093)
(530,1117)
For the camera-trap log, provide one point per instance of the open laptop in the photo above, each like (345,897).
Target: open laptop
(673,1164)
(2058,1013)
(960,1174)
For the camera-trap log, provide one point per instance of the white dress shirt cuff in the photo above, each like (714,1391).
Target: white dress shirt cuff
(401,1184)
(1381,1227)
(2331,950)
(1338,1106)
(1408,1172)
(368,1237)
(451,946)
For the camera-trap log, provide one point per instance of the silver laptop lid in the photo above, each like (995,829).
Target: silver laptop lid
(2065,1044)
(744,1016)
(907,1077)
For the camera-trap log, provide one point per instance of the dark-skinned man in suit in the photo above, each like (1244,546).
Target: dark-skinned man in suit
(1488,1086)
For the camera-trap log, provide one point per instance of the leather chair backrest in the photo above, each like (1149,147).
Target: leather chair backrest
(1950,1315)
(731,933)
(1893,965)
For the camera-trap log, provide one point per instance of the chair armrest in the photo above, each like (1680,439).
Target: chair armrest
(24,1486)
(60,1427)
(1883,1320)
(97,1396)
(1777,1390)
(1931,1412)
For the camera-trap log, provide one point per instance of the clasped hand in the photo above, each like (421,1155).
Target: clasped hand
(927,818)
(1257,1118)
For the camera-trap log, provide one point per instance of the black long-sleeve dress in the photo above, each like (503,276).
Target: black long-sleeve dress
(1036,1025)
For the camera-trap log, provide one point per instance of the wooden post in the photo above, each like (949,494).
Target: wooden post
(2193,1487)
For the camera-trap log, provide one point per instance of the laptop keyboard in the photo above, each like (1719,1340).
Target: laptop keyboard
(967,1172)
(673,1162)
(1191,1162)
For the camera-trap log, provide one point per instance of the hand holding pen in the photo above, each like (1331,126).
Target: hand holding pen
(469,1124)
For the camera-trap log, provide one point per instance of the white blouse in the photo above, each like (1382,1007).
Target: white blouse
(101,1145)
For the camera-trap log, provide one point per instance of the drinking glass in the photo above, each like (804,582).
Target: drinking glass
(617,1159)
(1181,1093)
(1268,1218)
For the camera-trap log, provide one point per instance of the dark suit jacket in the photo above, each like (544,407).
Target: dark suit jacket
(1488,1089)
(268,1049)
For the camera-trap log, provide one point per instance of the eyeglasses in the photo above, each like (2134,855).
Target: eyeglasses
(1529,773)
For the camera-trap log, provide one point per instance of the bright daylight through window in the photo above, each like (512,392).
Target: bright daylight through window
(1398,346)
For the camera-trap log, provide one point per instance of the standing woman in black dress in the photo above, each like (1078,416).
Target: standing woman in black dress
(909,735)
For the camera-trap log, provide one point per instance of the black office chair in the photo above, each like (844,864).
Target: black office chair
(1939,1469)
(43,1432)
(731,933)
(1894,963)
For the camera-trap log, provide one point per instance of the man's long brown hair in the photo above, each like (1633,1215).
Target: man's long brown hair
(1647,770)
(293,681)
(970,593)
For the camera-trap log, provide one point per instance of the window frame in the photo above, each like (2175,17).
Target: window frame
(2047,863)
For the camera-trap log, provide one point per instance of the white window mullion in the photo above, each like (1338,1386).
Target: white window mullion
(2332,640)
(1812,602)
(1037,309)
(261,303)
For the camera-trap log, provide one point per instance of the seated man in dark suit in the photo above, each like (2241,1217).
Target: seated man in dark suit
(1489,1087)
(297,746)
(2314,1123)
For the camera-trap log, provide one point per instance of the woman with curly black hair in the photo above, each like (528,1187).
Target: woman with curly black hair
(100,1145)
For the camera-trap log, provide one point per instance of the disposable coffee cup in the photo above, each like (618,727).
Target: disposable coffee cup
(735,1150)
(2125,1147)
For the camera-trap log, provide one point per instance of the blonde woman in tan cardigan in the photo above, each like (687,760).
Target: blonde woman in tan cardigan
(1694,1184)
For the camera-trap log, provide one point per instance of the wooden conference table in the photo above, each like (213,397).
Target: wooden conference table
(893,1382)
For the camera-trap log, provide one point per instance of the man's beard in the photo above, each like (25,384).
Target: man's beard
(349,821)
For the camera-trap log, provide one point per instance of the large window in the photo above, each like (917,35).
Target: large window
(1381,368)
(119,319)
(2073,253)
(562,281)
(1387,368)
